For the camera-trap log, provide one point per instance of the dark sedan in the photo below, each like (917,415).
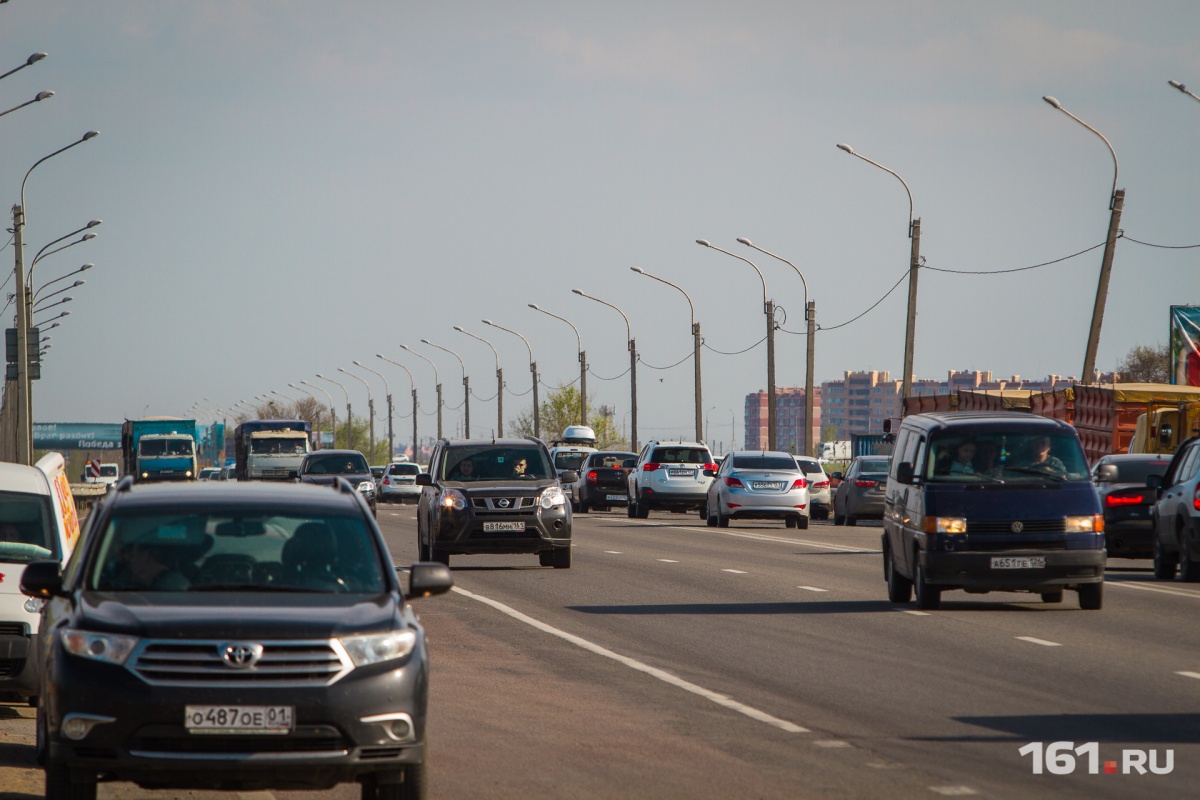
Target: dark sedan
(232,636)
(1128,503)
(862,490)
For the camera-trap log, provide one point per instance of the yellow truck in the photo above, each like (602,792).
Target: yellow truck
(1163,429)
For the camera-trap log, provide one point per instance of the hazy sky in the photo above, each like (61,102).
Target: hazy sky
(287,187)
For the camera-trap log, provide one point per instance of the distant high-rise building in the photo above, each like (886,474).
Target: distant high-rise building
(789,419)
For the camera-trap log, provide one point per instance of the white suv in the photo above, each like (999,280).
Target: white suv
(670,475)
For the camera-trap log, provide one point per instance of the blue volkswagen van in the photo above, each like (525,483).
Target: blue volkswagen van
(987,502)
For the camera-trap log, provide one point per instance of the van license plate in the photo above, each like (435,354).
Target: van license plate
(238,719)
(1018,562)
(513,527)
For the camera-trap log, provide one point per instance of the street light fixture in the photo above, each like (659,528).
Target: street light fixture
(914,262)
(695,344)
(57,291)
(349,414)
(437,382)
(412,380)
(87,235)
(537,421)
(499,381)
(370,410)
(66,299)
(583,401)
(1116,203)
(33,59)
(332,413)
(388,392)
(37,98)
(84,268)
(810,317)
(466,388)
(769,311)
(1184,89)
(632,345)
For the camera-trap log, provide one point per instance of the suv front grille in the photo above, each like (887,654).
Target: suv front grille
(307,740)
(502,505)
(201,663)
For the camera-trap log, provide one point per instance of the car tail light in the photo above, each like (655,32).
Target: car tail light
(591,477)
(1196,499)
(650,466)
(862,484)
(1118,500)
(821,485)
(734,482)
(800,483)
(713,467)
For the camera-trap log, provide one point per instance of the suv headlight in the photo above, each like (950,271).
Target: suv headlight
(107,647)
(452,498)
(552,496)
(367,487)
(378,647)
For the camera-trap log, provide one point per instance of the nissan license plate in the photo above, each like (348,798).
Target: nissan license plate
(675,472)
(511,527)
(1018,562)
(238,719)
(617,497)
(766,484)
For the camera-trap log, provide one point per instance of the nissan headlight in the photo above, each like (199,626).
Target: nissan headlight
(379,647)
(552,496)
(452,499)
(110,648)
(367,487)
(1085,524)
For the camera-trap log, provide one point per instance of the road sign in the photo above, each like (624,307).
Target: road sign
(93,468)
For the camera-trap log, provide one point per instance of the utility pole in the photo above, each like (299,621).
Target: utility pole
(24,434)
(910,329)
(1110,247)
(633,442)
(810,315)
(769,310)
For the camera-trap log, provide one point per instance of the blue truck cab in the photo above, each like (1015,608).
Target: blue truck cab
(991,501)
(159,449)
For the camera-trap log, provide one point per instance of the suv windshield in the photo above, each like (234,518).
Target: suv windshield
(1011,456)
(25,531)
(353,464)
(206,549)
(495,463)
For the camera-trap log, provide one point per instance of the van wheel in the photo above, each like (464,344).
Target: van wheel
(440,556)
(899,587)
(1165,564)
(1091,596)
(929,597)
(1052,597)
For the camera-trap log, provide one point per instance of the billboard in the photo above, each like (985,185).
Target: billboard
(1185,345)
(77,435)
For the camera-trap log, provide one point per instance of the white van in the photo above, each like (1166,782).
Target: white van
(38,522)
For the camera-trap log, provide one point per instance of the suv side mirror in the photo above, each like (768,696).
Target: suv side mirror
(1107,473)
(904,472)
(426,579)
(42,579)
(424,479)
(569,476)
(629,463)
(837,476)
(1152,482)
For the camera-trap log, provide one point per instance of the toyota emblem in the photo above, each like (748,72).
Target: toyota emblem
(502,502)
(1017,526)
(241,655)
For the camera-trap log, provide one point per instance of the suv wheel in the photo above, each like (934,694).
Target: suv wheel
(1189,570)
(440,556)
(642,510)
(1165,564)
(560,558)
(583,507)
(629,509)
(61,786)
(414,787)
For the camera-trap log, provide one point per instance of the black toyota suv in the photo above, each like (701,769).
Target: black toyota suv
(232,636)
(494,496)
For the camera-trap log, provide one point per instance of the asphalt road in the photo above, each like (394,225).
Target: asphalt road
(680,661)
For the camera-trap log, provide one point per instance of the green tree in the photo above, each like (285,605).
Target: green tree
(559,409)
(829,432)
(1144,364)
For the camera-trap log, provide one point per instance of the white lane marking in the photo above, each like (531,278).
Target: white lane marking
(668,561)
(1160,589)
(832,743)
(811,589)
(1042,642)
(735,571)
(953,791)
(1189,674)
(915,613)
(746,535)
(662,675)
(613,552)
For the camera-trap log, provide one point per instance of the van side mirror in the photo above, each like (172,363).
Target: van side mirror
(904,472)
(1107,474)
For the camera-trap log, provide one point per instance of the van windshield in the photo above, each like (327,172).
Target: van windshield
(26,530)
(1015,456)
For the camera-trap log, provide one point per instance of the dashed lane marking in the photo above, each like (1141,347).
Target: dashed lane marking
(812,589)
(1195,595)
(1042,642)
(668,561)
(1189,674)
(915,613)
(735,571)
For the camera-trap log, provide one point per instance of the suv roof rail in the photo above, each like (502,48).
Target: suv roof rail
(124,484)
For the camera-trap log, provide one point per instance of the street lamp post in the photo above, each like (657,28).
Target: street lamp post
(466,380)
(437,382)
(370,410)
(349,414)
(29,62)
(415,448)
(37,99)
(1184,89)
(695,344)
(769,310)
(332,413)
(537,422)
(633,443)
(84,268)
(24,299)
(499,381)
(583,401)
(1116,203)
(810,317)
(387,391)
(914,262)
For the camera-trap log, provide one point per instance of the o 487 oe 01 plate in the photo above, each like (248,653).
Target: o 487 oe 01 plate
(238,719)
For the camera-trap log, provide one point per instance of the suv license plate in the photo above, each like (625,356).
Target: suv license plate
(681,473)
(617,497)
(238,719)
(1019,562)
(513,527)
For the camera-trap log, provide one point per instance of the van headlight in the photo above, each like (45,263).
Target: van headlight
(378,647)
(950,525)
(552,496)
(107,647)
(1085,524)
